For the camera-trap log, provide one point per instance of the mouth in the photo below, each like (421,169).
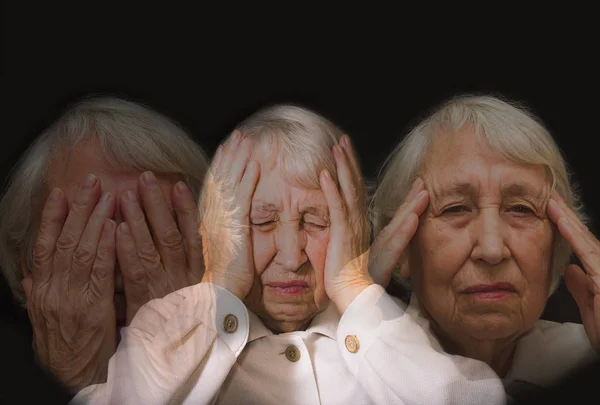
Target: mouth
(288,288)
(491,291)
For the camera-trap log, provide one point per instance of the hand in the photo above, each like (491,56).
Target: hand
(584,286)
(225,228)
(346,272)
(70,290)
(157,253)
(389,245)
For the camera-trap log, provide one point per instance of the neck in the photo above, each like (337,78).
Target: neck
(496,353)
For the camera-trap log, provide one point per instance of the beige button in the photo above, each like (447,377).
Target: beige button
(351,343)
(230,323)
(292,353)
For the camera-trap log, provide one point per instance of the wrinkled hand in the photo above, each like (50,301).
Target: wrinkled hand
(584,286)
(157,253)
(71,289)
(225,228)
(389,245)
(346,271)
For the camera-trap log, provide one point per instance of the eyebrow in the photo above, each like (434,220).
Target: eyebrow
(319,210)
(520,189)
(457,189)
(262,205)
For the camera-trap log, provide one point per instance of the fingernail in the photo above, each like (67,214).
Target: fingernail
(124,229)
(237,135)
(106,197)
(326,174)
(89,181)
(130,195)
(181,187)
(149,179)
(343,142)
(55,194)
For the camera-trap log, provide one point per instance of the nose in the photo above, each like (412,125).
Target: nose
(291,243)
(490,238)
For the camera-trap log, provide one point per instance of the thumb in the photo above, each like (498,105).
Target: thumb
(27,284)
(578,285)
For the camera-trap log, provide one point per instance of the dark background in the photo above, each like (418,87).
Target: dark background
(374,78)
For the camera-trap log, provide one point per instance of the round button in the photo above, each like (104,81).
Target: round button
(292,353)
(230,323)
(352,343)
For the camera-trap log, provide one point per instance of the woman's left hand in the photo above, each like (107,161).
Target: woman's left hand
(346,267)
(584,286)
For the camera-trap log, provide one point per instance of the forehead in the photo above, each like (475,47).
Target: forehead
(71,168)
(274,192)
(459,158)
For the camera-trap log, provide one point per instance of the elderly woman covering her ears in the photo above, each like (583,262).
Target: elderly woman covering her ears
(287,312)
(486,201)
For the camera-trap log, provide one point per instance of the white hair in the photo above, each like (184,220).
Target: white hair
(130,136)
(300,142)
(506,128)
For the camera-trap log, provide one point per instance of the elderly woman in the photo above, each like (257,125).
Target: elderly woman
(287,312)
(99,217)
(489,218)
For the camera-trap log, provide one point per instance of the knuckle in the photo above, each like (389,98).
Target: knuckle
(66,242)
(149,256)
(83,256)
(42,253)
(135,275)
(172,240)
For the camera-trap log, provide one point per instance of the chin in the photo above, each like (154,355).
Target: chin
(492,327)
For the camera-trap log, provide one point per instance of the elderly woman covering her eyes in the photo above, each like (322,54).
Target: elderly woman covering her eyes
(485,198)
(287,312)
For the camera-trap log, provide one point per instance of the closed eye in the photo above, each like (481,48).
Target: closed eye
(314,226)
(456,209)
(521,209)
(263,225)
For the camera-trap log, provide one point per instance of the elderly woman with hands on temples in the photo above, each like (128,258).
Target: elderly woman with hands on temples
(487,202)
(287,312)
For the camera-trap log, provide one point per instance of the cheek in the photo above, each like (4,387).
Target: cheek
(438,252)
(532,250)
(263,249)
(316,251)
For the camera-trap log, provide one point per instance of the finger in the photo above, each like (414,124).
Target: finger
(351,156)
(578,285)
(229,151)
(240,161)
(166,236)
(145,249)
(337,211)
(416,187)
(135,281)
(186,209)
(85,254)
(346,179)
(556,201)
(80,210)
(53,217)
(587,251)
(102,278)
(386,252)
(246,188)
(415,206)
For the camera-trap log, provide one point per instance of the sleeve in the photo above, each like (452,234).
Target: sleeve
(178,347)
(396,361)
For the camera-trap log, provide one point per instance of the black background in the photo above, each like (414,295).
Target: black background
(373,73)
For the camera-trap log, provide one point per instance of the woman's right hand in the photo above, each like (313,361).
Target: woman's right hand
(225,216)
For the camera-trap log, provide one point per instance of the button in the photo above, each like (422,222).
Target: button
(292,353)
(352,343)
(230,323)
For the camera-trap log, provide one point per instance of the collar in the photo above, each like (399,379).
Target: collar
(325,323)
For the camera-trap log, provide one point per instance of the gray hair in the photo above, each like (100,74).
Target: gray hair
(506,128)
(131,137)
(300,141)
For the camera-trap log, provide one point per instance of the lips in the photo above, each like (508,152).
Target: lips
(489,288)
(289,287)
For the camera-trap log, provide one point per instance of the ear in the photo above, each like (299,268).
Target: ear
(27,281)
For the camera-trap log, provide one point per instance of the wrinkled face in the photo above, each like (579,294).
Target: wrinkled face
(86,159)
(290,234)
(481,258)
